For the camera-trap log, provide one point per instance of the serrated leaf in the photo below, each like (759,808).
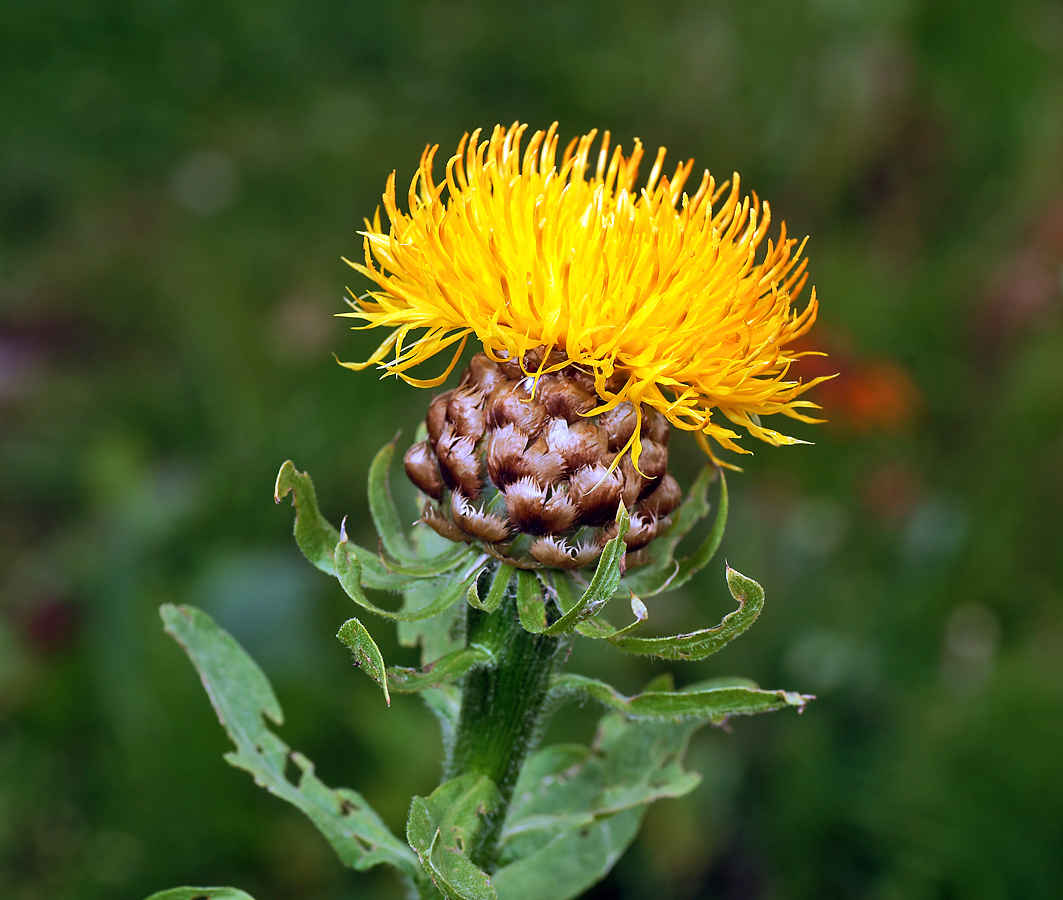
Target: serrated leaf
(603,583)
(443,671)
(712,702)
(575,810)
(317,538)
(700,644)
(503,575)
(241,696)
(347,562)
(367,654)
(442,829)
(530,607)
(382,506)
(201,893)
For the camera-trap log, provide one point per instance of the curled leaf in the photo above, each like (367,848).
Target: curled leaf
(317,538)
(347,563)
(496,593)
(709,702)
(382,507)
(699,644)
(443,671)
(530,607)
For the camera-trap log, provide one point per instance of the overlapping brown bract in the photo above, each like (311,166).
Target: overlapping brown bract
(513,463)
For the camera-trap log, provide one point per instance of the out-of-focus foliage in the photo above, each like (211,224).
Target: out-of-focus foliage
(177,183)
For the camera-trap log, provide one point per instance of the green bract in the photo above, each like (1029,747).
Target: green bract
(510,821)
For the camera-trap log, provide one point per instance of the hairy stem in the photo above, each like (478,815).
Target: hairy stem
(500,710)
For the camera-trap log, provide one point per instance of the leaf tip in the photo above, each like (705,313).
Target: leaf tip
(284,481)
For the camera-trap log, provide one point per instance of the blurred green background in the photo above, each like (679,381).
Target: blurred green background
(178,181)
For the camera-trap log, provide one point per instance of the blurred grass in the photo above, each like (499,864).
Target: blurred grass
(177,183)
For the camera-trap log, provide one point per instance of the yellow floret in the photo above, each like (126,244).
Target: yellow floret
(658,287)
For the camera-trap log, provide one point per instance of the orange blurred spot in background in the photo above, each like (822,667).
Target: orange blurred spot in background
(868,395)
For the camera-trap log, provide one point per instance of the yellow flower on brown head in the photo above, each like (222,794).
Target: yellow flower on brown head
(654,293)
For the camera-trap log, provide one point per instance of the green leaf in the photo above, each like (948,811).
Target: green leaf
(435,565)
(691,565)
(699,644)
(313,533)
(664,573)
(201,893)
(575,810)
(496,593)
(367,654)
(530,607)
(382,507)
(571,861)
(444,632)
(317,538)
(598,628)
(348,567)
(442,829)
(443,671)
(710,702)
(438,636)
(445,703)
(603,583)
(241,696)
(648,579)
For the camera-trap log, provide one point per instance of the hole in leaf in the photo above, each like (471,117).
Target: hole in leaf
(292,772)
(346,807)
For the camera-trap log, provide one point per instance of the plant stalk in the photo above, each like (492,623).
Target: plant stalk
(500,710)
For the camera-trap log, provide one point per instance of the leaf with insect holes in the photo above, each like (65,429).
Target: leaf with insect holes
(442,829)
(243,699)
(576,809)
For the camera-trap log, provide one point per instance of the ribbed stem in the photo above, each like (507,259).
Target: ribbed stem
(500,710)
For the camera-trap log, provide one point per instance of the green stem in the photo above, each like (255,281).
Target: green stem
(500,711)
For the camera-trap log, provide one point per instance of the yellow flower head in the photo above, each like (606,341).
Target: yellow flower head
(656,293)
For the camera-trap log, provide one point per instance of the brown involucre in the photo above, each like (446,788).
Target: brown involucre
(513,463)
